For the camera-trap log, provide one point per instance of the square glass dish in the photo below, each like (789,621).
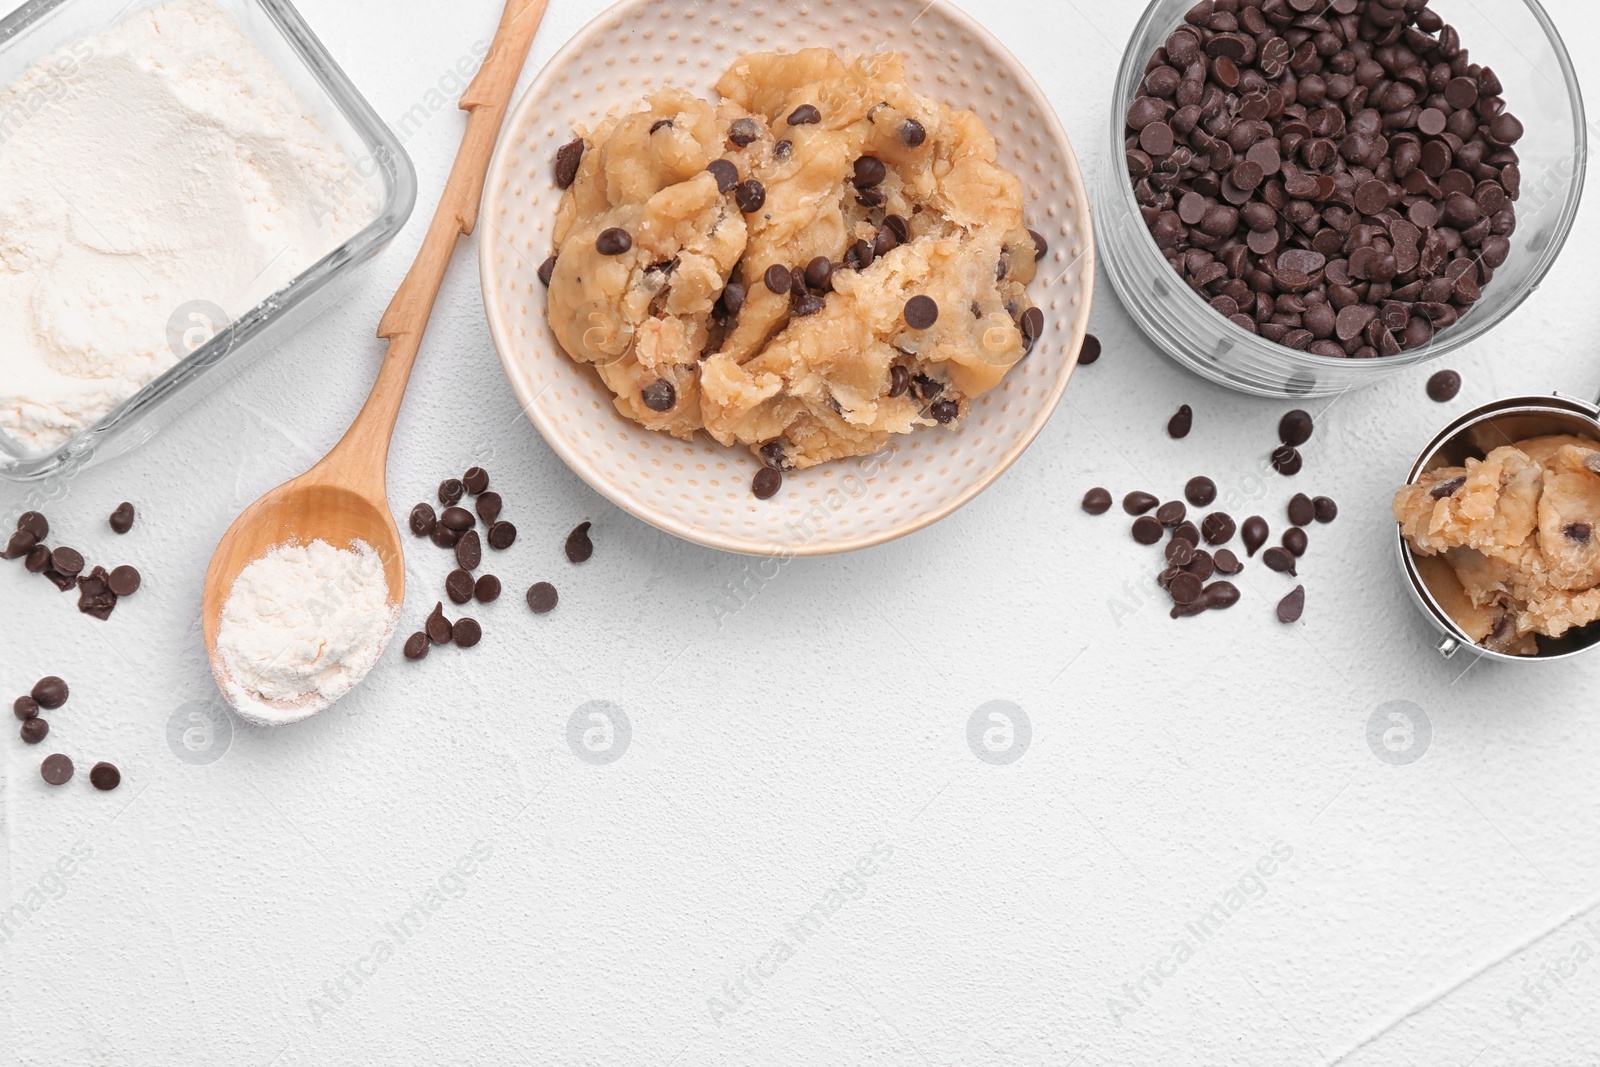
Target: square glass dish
(200,333)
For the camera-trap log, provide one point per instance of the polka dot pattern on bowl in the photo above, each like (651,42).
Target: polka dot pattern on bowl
(698,490)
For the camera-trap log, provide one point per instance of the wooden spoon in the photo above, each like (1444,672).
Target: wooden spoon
(344,499)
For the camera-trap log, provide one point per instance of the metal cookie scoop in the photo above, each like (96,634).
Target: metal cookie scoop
(1473,436)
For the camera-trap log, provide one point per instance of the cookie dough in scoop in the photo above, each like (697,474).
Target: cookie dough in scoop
(819,261)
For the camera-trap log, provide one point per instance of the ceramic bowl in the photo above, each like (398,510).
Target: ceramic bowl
(698,490)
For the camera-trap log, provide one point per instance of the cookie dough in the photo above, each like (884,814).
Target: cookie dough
(1510,544)
(818,261)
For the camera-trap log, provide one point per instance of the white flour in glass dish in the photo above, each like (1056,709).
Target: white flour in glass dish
(163,165)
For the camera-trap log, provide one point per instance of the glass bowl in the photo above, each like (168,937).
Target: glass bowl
(38,29)
(1514,37)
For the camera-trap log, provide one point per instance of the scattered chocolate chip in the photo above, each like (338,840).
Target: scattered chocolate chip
(1202,566)
(489,507)
(124,581)
(568,158)
(469,551)
(579,547)
(25,708)
(1171,514)
(1325,509)
(458,519)
(1444,386)
(1179,425)
(502,535)
(613,241)
(1286,460)
(1302,512)
(1186,589)
(1137,503)
(1200,491)
(766,483)
(1097,501)
(35,730)
(726,173)
(1220,596)
(445,537)
(423,520)
(467,633)
(1189,611)
(122,518)
(1218,528)
(660,395)
(1147,531)
(1187,531)
(487,590)
(921,312)
(34,523)
(476,480)
(51,692)
(805,115)
(22,543)
(95,597)
(542,598)
(56,769)
(1255,534)
(417,646)
(439,629)
(67,561)
(450,492)
(913,134)
(1090,353)
(38,560)
(1296,428)
(1279,559)
(1296,541)
(547,271)
(1291,607)
(1179,553)
(744,132)
(458,586)
(1227,562)
(750,195)
(104,777)
(63,582)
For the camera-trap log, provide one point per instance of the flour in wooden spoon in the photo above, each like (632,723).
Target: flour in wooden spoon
(301,627)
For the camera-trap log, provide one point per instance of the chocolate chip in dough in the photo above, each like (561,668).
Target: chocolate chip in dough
(122,518)
(750,195)
(805,115)
(417,646)
(56,769)
(913,134)
(819,274)
(568,158)
(869,172)
(778,279)
(547,271)
(726,173)
(50,692)
(1201,491)
(1293,606)
(1097,501)
(423,520)
(744,132)
(1179,425)
(467,633)
(766,483)
(35,730)
(124,581)
(1444,386)
(613,241)
(105,776)
(579,546)
(921,312)
(542,598)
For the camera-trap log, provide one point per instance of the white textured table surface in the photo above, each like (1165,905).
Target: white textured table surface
(301,899)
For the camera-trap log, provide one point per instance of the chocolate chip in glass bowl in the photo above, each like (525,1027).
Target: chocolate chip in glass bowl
(1296,428)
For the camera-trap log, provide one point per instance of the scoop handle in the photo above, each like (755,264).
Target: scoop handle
(405,321)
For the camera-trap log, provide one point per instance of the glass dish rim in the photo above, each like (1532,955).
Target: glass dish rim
(381,147)
(1144,248)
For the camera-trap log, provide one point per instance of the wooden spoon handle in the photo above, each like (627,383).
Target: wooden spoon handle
(486,101)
